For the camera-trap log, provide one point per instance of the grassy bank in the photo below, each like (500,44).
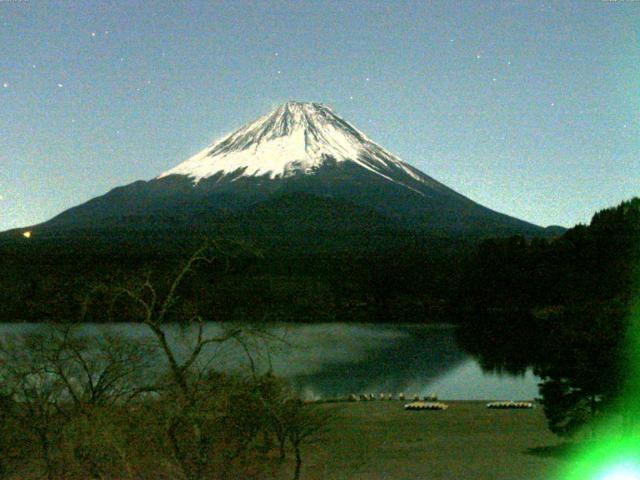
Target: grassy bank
(379,440)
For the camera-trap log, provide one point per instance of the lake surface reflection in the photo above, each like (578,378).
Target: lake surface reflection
(335,360)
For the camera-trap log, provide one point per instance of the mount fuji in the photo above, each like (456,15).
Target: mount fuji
(300,165)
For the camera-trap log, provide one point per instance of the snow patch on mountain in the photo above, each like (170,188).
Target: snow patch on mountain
(295,138)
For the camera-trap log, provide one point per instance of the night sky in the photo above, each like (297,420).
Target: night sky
(531,108)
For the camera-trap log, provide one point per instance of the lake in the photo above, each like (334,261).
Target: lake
(334,360)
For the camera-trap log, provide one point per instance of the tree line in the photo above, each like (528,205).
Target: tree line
(408,279)
(562,307)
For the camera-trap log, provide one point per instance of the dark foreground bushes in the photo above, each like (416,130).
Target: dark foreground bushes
(75,405)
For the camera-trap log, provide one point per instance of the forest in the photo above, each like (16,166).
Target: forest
(564,308)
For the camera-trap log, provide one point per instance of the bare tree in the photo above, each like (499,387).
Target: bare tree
(56,374)
(304,423)
(38,396)
(191,421)
(154,310)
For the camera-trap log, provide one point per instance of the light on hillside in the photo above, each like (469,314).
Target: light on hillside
(27,234)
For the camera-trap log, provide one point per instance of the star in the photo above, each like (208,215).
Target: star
(279,72)
(106,32)
(93,34)
(367,79)
(553,104)
(276,54)
(351,97)
(5,85)
(494,79)
(59,85)
(33,66)
(509,62)
(478,56)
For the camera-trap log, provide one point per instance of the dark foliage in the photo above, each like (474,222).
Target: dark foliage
(561,307)
(303,259)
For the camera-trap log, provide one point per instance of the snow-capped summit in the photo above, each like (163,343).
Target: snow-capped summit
(295,138)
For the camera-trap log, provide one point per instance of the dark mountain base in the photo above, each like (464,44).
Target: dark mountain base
(276,271)
(174,202)
(292,257)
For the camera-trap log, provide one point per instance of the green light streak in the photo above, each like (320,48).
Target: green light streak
(614,451)
(611,457)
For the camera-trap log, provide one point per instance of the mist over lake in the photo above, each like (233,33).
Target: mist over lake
(334,360)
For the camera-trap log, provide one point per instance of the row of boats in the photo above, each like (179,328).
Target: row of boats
(430,402)
(365,397)
(510,404)
(421,405)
